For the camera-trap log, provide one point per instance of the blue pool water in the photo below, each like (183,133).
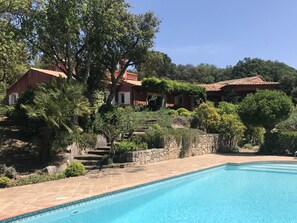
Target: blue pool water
(259,192)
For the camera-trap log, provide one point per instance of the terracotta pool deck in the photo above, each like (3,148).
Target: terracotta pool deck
(24,199)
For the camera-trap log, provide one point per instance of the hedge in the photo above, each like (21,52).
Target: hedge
(280,143)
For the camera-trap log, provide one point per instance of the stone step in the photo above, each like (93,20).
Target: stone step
(99,152)
(103,147)
(91,167)
(138,133)
(89,157)
(89,162)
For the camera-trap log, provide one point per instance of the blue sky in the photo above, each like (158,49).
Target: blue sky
(222,32)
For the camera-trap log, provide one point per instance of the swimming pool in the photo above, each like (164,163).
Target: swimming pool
(255,192)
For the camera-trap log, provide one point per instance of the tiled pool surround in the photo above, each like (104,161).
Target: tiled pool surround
(20,200)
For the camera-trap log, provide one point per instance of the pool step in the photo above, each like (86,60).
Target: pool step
(280,168)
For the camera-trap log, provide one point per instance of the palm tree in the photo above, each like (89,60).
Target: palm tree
(58,105)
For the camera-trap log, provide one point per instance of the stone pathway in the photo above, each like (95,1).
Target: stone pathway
(24,199)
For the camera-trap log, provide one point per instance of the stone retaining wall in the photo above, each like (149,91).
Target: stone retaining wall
(207,144)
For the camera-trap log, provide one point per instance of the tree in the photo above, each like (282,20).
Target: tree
(265,108)
(84,38)
(129,44)
(269,70)
(14,59)
(202,73)
(116,122)
(156,64)
(13,55)
(58,105)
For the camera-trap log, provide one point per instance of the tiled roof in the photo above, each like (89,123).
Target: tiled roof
(51,72)
(256,80)
(135,83)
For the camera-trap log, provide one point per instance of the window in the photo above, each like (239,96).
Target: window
(178,100)
(124,98)
(13,98)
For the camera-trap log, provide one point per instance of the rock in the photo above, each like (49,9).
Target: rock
(50,170)
(62,167)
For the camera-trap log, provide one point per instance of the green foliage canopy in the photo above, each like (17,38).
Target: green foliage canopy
(173,87)
(265,108)
(86,38)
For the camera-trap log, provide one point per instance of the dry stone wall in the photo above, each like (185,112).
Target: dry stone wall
(206,144)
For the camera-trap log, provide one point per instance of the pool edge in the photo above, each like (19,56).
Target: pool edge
(28,215)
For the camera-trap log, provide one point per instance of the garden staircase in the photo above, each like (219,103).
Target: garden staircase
(144,125)
(93,158)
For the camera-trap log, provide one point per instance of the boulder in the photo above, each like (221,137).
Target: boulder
(50,170)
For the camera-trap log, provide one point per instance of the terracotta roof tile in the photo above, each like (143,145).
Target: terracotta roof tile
(256,80)
(132,82)
(51,72)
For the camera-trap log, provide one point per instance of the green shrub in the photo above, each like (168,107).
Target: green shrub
(184,112)
(154,137)
(86,140)
(182,154)
(184,137)
(206,118)
(172,112)
(227,108)
(38,178)
(289,124)
(247,146)
(4,182)
(6,110)
(127,145)
(280,143)
(75,169)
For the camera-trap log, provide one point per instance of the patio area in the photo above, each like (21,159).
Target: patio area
(24,199)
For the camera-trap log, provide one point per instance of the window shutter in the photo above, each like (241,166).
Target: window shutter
(10,99)
(127,98)
(119,98)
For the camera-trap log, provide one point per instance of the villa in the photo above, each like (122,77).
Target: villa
(131,92)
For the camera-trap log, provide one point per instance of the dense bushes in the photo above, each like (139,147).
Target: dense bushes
(183,112)
(4,182)
(156,137)
(128,145)
(280,143)
(38,178)
(206,118)
(75,169)
(289,124)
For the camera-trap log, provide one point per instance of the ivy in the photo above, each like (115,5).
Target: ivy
(173,87)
